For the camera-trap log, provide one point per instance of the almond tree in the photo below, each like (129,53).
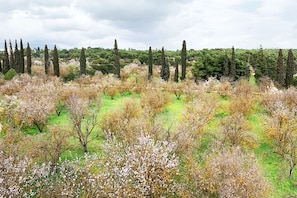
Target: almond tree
(147,168)
(281,125)
(36,104)
(230,173)
(84,122)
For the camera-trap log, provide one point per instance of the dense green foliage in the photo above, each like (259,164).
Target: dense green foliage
(46,60)
(6,65)
(22,60)
(280,77)
(10,74)
(290,69)
(116,63)
(233,64)
(184,60)
(150,64)
(176,73)
(165,72)
(82,62)
(11,56)
(29,59)
(17,58)
(56,62)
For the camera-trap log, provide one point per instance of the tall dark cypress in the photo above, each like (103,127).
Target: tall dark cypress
(232,71)
(150,64)
(184,60)
(17,58)
(116,63)
(176,70)
(56,62)
(261,64)
(6,65)
(46,60)
(226,66)
(1,66)
(11,56)
(163,63)
(280,76)
(22,59)
(29,59)
(290,69)
(82,61)
(165,73)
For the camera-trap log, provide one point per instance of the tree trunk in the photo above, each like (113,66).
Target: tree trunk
(291,171)
(40,128)
(85,148)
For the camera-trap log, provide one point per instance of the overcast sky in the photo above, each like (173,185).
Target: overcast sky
(139,24)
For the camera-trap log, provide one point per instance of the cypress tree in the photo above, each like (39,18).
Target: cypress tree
(116,63)
(11,56)
(232,71)
(56,62)
(22,60)
(280,76)
(17,58)
(290,69)
(82,62)
(46,60)
(6,65)
(162,63)
(261,64)
(150,64)
(226,66)
(1,66)
(184,60)
(176,70)
(29,59)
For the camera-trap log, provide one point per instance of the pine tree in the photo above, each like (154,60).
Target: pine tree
(46,60)
(176,70)
(82,62)
(226,66)
(29,59)
(22,60)
(56,62)
(232,71)
(16,58)
(150,64)
(11,56)
(116,57)
(6,65)
(280,76)
(184,60)
(290,69)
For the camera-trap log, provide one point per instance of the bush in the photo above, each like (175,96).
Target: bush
(10,74)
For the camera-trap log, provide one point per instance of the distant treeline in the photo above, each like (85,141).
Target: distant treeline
(276,64)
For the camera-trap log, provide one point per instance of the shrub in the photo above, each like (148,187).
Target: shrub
(10,74)
(154,100)
(230,173)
